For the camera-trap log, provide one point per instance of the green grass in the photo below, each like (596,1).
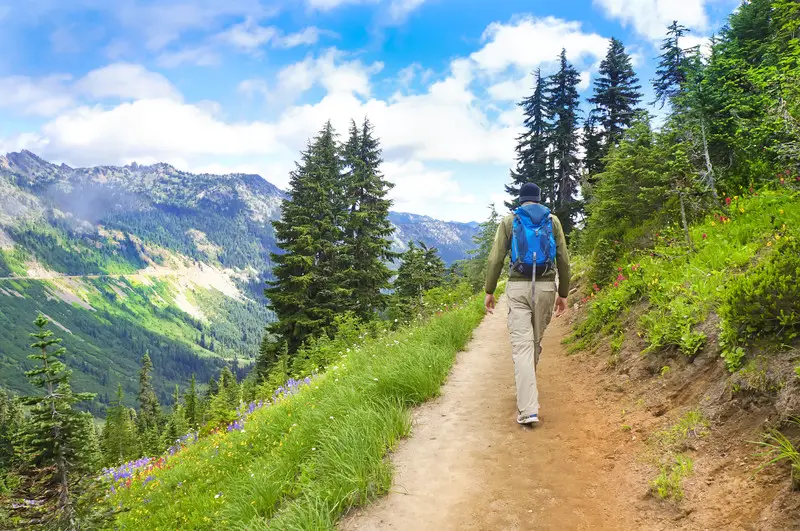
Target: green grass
(302,462)
(692,424)
(668,485)
(681,288)
(777,448)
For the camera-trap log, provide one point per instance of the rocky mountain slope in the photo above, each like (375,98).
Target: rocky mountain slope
(135,258)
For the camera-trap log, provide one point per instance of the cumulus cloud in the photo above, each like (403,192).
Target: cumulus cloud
(197,56)
(651,17)
(125,81)
(39,97)
(528,42)
(417,188)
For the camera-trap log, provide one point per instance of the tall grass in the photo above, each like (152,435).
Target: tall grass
(302,462)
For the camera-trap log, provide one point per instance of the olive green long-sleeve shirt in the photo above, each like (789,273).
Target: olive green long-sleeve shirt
(502,244)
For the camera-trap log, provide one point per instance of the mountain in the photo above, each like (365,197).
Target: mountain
(128,259)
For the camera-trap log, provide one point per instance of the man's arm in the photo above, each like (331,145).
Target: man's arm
(497,256)
(562,259)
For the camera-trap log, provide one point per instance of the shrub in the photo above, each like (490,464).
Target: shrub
(601,265)
(763,303)
(669,482)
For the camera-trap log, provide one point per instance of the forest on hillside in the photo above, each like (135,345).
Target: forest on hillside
(672,213)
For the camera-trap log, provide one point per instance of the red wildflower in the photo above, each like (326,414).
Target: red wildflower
(620,277)
(704,236)
(616,284)
(727,200)
(596,287)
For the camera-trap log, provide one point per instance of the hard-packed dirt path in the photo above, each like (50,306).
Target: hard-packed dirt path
(469,465)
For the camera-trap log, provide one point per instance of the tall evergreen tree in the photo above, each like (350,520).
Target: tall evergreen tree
(532,146)
(191,402)
(308,290)
(119,440)
(177,426)
(149,418)
(478,257)
(616,97)
(563,102)
(671,71)
(368,231)
(55,438)
(11,421)
(421,269)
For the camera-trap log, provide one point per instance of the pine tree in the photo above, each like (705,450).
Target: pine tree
(594,150)
(119,440)
(269,352)
(149,418)
(177,426)
(671,71)
(478,257)
(11,421)
(421,269)
(616,92)
(222,409)
(368,231)
(190,400)
(55,438)
(562,103)
(308,290)
(532,147)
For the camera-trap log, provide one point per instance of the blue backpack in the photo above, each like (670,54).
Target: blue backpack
(533,246)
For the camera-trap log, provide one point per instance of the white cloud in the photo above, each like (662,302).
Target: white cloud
(651,17)
(528,42)
(41,97)
(400,9)
(251,87)
(396,11)
(586,80)
(125,81)
(418,188)
(198,56)
(703,43)
(248,35)
(511,89)
(329,70)
(305,37)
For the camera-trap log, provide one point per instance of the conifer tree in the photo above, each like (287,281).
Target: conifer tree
(562,101)
(55,439)
(11,421)
(478,257)
(671,71)
(269,352)
(149,418)
(421,269)
(532,146)
(593,150)
(308,290)
(119,440)
(190,400)
(616,93)
(368,231)
(177,426)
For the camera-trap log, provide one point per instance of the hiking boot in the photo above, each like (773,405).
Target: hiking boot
(528,419)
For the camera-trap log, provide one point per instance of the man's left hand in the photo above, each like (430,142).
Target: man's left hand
(561,306)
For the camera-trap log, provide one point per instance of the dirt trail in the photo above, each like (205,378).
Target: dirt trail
(469,465)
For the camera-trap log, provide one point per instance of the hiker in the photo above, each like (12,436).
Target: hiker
(538,257)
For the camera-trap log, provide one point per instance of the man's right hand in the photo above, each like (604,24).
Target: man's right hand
(489,303)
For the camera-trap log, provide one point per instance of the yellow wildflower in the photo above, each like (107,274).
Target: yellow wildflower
(713,223)
(769,244)
(780,211)
(741,210)
(777,236)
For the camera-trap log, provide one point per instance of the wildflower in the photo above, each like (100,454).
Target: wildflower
(596,287)
(727,200)
(777,236)
(741,209)
(616,284)
(780,212)
(217,495)
(769,244)
(705,236)
(713,224)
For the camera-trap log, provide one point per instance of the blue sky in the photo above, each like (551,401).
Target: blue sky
(239,85)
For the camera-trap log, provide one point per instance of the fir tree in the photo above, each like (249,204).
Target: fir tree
(421,269)
(190,400)
(593,149)
(177,426)
(532,147)
(269,352)
(478,257)
(671,71)
(55,438)
(562,101)
(308,290)
(368,231)
(616,93)
(119,440)
(11,421)
(149,418)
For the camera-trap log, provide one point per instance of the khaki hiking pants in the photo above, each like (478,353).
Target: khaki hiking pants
(528,316)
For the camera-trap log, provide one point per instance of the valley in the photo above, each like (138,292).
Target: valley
(135,259)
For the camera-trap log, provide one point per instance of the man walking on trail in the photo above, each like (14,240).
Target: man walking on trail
(539,257)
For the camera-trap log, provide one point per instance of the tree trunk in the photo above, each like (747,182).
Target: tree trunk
(710,179)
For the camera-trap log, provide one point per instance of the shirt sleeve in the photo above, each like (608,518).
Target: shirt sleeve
(562,258)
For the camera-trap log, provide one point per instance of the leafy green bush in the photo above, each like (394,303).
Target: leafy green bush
(763,303)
